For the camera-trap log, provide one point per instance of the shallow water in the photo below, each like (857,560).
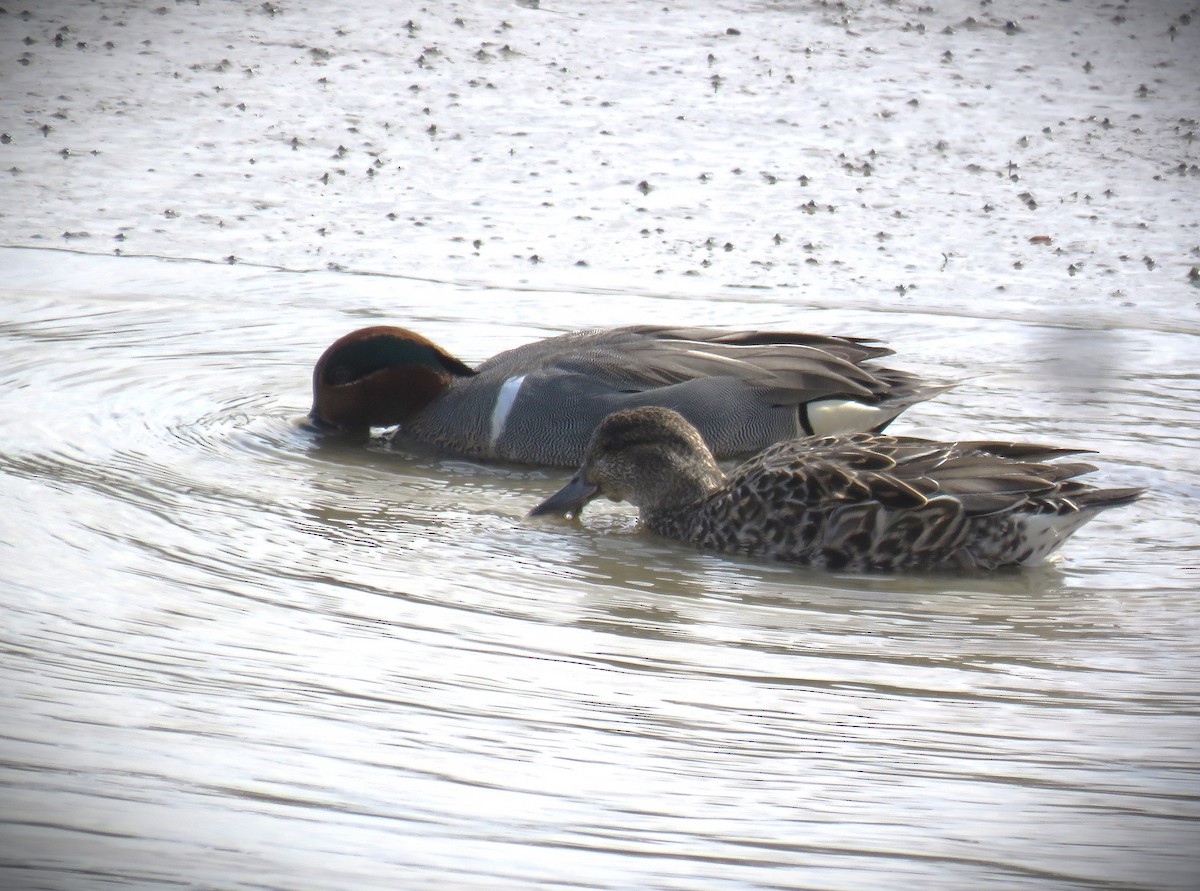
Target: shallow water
(235,655)
(239,656)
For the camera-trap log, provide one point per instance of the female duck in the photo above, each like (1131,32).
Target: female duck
(853,502)
(540,402)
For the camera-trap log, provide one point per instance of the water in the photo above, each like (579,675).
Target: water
(235,655)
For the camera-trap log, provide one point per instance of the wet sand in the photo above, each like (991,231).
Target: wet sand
(1040,155)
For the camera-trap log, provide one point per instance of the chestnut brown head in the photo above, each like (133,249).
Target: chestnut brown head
(378,377)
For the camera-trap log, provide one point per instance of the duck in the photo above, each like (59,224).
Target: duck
(858,502)
(540,402)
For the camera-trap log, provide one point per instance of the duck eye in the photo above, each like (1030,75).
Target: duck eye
(339,375)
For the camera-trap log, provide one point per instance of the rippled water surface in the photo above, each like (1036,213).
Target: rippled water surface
(236,655)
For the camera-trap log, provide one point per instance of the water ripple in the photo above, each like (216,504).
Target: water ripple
(214,613)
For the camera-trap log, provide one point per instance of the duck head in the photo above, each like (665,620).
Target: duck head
(378,377)
(649,456)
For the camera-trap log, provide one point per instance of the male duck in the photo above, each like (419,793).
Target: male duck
(852,502)
(540,402)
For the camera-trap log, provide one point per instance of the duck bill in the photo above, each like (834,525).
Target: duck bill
(314,421)
(570,499)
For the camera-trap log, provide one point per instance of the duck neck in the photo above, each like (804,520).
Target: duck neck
(673,495)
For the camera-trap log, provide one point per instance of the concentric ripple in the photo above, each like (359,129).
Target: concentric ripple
(243,653)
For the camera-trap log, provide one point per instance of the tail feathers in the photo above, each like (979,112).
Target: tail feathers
(1102,499)
(826,417)
(906,390)
(1045,533)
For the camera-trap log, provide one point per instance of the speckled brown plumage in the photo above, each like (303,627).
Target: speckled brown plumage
(852,502)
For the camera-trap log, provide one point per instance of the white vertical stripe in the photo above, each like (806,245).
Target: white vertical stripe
(504,403)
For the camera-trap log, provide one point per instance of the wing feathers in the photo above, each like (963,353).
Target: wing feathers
(791,368)
(900,472)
